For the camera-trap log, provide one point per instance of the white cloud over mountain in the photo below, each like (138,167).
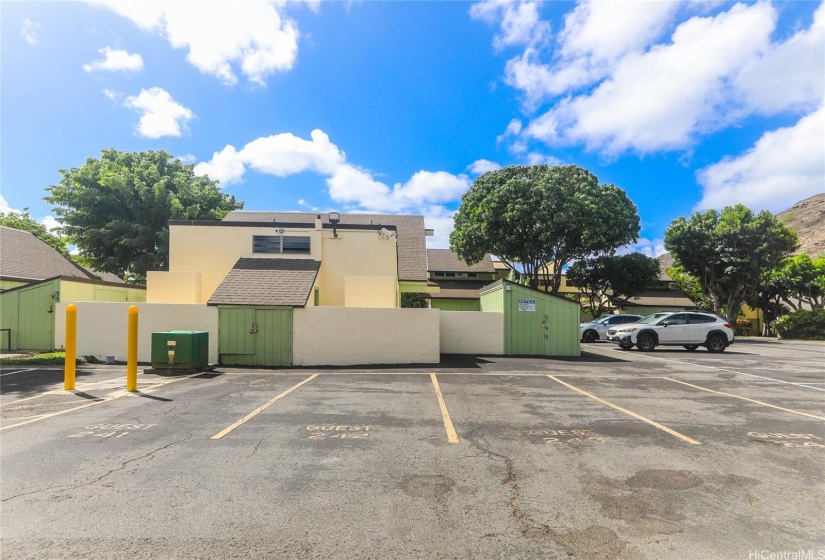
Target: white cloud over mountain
(784,166)
(253,37)
(115,60)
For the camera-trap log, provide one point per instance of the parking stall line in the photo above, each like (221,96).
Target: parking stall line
(452,435)
(728,370)
(745,399)
(13,372)
(102,400)
(263,407)
(628,412)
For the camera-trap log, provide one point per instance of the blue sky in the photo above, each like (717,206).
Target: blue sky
(399,106)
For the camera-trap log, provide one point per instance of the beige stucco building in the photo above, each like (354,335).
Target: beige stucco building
(293,259)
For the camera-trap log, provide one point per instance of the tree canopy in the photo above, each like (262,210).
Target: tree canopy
(116,209)
(541,218)
(25,222)
(610,276)
(728,252)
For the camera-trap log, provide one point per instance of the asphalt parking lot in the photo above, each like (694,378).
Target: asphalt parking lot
(668,454)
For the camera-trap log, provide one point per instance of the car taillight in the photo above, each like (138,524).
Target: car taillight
(728,325)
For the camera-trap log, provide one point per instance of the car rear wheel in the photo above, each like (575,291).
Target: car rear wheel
(590,336)
(646,342)
(691,347)
(717,343)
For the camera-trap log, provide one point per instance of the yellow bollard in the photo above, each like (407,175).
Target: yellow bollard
(131,350)
(71,348)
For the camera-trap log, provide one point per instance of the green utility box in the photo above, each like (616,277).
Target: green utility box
(180,350)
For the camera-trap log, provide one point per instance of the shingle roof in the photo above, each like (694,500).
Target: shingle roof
(663,298)
(24,256)
(412,247)
(444,260)
(271,281)
(456,289)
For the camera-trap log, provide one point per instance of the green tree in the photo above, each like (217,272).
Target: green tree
(25,222)
(414,301)
(539,218)
(116,209)
(610,276)
(801,280)
(728,252)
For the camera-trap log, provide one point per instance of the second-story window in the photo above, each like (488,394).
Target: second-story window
(280,244)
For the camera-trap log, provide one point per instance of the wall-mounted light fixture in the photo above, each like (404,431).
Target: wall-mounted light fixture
(384,233)
(334,218)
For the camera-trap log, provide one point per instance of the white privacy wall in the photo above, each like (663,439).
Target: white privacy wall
(353,336)
(102,326)
(472,332)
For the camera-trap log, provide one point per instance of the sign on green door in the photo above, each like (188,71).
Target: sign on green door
(255,336)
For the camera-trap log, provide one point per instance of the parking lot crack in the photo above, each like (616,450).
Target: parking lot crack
(528,524)
(63,488)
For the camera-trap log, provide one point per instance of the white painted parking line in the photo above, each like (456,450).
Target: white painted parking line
(727,370)
(746,399)
(628,412)
(13,372)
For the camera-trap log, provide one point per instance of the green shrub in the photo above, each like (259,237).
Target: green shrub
(802,324)
(32,359)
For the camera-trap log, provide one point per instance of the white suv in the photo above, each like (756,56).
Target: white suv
(597,330)
(682,328)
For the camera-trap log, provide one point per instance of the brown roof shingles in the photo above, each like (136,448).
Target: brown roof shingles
(24,256)
(444,260)
(456,289)
(412,248)
(267,281)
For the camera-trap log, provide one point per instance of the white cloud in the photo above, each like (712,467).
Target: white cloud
(186,159)
(785,165)
(285,154)
(482,166)
(648,247)
(51,224)
(596,35)
(5,208)
(441,220)
(111,95)
(661,98)
(29,30)
(162,115)
(519,21)
(115,61)
(789,74)
(536,158)
(222,38)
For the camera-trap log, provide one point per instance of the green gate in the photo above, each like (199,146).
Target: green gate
(29,311)
(255,336)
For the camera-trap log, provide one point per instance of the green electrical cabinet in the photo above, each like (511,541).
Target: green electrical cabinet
(536,323)
(191,350)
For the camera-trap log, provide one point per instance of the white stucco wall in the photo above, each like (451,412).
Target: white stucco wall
(472,332)
(101,326)
(353,336)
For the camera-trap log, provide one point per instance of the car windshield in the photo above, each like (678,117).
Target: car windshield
(601,320)
(652,318)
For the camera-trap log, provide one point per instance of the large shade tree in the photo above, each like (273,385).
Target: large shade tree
(539,218)
(728,252)
(616,277)
(116,209)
